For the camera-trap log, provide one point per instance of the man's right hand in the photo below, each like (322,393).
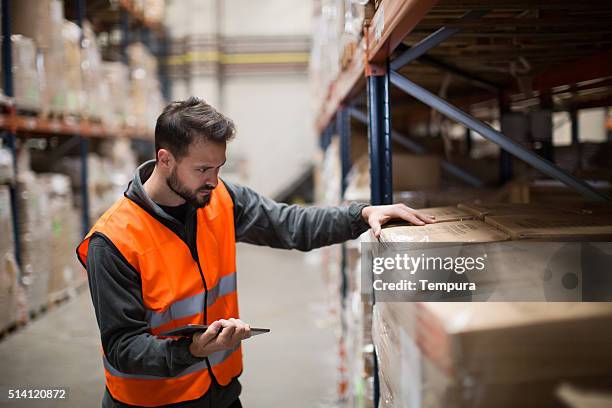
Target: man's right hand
(220,335)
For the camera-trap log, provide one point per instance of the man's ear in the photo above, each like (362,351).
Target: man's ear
(165,159)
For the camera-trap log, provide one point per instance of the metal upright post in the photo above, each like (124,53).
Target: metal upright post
(124,23)
(343,127)
(379,132)
(163,65)
(84,142)
(381,180)
(10,138)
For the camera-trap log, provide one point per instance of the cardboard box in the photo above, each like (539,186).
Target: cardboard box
(35,239)
(488,354)
(446,214)
(65,273)
(553,226)
(480,210)
(450,197)
(453,231)
(590,208)
(26,78)
(38,19)
(73,61)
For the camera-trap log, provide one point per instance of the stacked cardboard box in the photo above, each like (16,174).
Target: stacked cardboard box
(42,20)
(8,265)
(26,76)
(7,171)
(73,59)
(35,239)
(338,30)
(65,272)
(95,107)
(452,231)
(116,90)
(493,354)
(145,95)
(488,354)
(357,314)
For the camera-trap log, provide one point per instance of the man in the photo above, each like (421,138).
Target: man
(163,256)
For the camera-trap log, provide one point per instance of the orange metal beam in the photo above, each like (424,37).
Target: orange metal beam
(392,22)
(54,127)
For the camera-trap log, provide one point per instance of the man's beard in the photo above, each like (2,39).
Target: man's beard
(191,197)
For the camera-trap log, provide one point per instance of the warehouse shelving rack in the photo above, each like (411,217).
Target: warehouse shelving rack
(572,40)
(15,126)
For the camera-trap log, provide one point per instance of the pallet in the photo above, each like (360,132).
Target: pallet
(27,112)
(10,329)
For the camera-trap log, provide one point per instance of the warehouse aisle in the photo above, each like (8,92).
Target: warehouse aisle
(293,366)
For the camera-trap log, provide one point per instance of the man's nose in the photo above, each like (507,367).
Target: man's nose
(211,182)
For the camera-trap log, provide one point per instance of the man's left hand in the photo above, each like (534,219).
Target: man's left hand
(377,215)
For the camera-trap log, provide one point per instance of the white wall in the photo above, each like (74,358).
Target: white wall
(275,138)
(266,17)
(272,112)
(189,17)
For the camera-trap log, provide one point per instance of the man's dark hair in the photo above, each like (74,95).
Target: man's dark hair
(183,122)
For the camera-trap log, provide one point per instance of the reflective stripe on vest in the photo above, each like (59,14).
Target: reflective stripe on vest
(173,292)
(214,359)
(193,304)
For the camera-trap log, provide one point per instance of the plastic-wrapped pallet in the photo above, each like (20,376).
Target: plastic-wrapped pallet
(93,80)
(42,21)
(145,95)
(65,272)
(154,10)
(35,238)
(37,19)
(75,97)
(7,171)
(26,77)
(8,265)
(489,354)
(116,85)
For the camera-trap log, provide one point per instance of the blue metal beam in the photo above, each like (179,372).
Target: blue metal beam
(84,142)
(343,127)
(411,145)
(379,131)
(7,69)
(419,49)
(7,54)
(124,23)
(496,137)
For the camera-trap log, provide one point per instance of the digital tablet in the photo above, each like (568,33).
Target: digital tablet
(189,329)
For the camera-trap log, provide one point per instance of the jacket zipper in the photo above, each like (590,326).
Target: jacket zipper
(194,254)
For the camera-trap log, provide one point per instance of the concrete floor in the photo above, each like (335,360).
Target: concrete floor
(293,366)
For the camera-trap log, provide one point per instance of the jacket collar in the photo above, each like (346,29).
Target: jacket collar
(136,192)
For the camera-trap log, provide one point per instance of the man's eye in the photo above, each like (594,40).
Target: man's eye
(201,170)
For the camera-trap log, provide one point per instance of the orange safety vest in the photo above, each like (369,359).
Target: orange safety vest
(174,293)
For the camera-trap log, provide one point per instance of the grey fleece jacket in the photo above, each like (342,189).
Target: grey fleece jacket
(116,290)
